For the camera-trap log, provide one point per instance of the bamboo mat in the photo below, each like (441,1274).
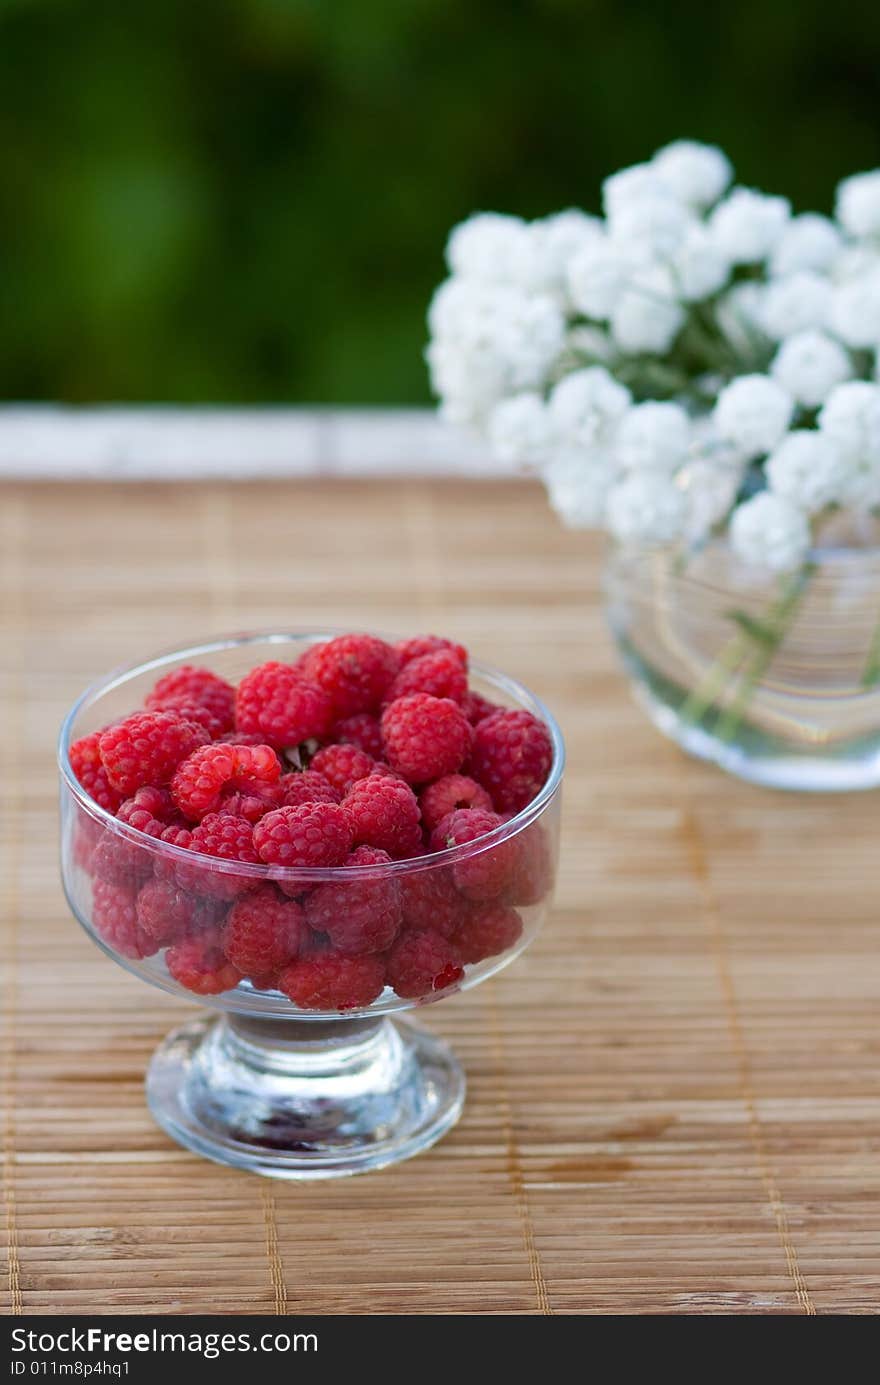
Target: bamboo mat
(674,1097)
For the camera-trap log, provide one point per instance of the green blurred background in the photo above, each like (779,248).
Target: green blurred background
(247,200)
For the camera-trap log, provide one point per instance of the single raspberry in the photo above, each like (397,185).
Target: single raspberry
(306,786)
(114,915)
(441,674)
(420,645)
(168,914)
(226,838)
(253,804)
(342,765)
(356,672)
(150,810)
(425,737)
(191,688)
(88,767)
(488,873)
(125,862)
(200,781)
(177,836)
(421,963)
(197,713)
(263,931)
(362,730)
(445,795)
(360,915)
(328,981)
(314,834)
(201,965)
(276,701)
(86,835)
(147,748)
(532,874)
(306,661)
(486,932)
(430,900)
(477,708)
(511,757)
(384,812)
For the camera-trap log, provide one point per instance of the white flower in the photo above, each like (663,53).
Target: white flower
(586,407)
(851,419)
(794,303)
(554,241)
(738,314)
(857,205)
(854,262)
(653,437)
(808,469)
(747,224)
(709,489)
(809,365)
(698,266)
(809,241)
(770,532)
(652,225)
(696,173)
(855,310)
(489,247)
(752,413)
(578,481)
(647,316)
(520,430)
(598,275)
(489,342)
(639,180)
(646,508)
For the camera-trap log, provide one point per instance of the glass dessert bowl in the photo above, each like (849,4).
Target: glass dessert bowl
(297,1070)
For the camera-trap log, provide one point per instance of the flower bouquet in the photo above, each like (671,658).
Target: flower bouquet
(696,372)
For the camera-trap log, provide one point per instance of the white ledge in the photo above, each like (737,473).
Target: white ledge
(157,443)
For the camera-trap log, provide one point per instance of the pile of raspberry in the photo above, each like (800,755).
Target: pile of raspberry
(358,754)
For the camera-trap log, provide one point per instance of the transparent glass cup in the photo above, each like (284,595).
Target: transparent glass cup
(774,678)
(257,1082)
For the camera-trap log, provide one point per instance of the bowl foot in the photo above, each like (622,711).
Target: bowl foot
(302,1099)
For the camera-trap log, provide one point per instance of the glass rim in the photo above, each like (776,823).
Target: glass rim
(827,562)
(309,874)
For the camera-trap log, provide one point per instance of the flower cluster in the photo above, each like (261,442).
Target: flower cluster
(698,357)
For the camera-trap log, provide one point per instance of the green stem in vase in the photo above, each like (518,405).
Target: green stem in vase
(871,675)
(767,635)
(706,693)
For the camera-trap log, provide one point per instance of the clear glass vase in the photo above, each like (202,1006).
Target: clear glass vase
(775,679)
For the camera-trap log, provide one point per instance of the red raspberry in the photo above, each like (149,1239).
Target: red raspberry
(487,874)
(147,748)
(314,834)
(361,915)
(264,931)
(124,862)
(445,795)
(87,833)
(362,730)
(240,738)
(420,645)
(487,932)
(150,810)
(88,768)
(532,875)
(168,914)
(306,786)
(177,836)
(330,982)
(421,963)
(425,737)
(430,900)
(199,782)
(342,765)
(197,713)
(193,688)
(276,701)
(441,674)
(356,672)
(114,914)
(477,708)
(511,757)
(384,812)
(252,805)
(200,965)
(227,838)
(306,661)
